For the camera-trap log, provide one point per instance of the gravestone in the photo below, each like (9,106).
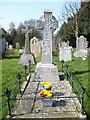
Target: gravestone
(45,70)
(21,51)
(81,47)
(17,45)
(36,45)
(89,51)
(64,44)
(10,50)
(26,56)
(40,23)
(10,46)
(65,52)
(6,45)
(2,46)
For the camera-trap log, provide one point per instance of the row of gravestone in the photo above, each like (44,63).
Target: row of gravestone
(35,46)
(65,51)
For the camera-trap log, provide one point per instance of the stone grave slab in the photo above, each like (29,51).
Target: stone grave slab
(63,108)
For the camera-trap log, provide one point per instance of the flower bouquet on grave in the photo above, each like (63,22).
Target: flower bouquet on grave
(46,94)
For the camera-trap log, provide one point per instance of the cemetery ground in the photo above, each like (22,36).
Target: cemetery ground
(11,67)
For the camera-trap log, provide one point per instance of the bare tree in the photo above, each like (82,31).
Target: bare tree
(32,23)
(12,26)
(69,13)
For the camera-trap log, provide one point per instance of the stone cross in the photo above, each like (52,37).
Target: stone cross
(27,42)
(47,38)
(45,69)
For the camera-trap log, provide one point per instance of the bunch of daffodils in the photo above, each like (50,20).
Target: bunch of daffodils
(47,92)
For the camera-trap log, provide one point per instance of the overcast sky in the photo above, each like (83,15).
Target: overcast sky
(25,10)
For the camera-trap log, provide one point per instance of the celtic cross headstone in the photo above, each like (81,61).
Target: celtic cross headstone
(45,69)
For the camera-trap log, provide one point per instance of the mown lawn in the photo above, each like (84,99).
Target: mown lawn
(11,67)
(81,74)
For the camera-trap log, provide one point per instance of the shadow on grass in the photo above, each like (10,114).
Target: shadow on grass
(80,72)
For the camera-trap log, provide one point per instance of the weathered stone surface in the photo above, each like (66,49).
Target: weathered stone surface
(65,53)
(47,72)
(81,43)
(81,53)
(81,47)
(24,59)
(63,107)
(36,46)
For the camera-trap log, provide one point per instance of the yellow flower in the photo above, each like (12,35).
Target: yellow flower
(47,85)
(49,95)
(48,92)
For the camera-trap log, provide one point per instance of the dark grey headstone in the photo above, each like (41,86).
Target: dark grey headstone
(24,59)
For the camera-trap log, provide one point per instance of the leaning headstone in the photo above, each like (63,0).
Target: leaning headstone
(27,56)
(81,47)
(45,70)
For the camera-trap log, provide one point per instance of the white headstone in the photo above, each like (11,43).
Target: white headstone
(36,45)
(81,47)
(17,45)
(10,46)
(65,53)
(82,43)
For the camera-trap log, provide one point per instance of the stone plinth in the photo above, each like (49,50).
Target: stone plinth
(47,72)
(80,53)
(64,108)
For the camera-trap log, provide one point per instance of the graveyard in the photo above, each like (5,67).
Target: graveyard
(80,75)
(46,75)
(67,98)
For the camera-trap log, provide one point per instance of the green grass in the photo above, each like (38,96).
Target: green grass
(80,70)
(11,67)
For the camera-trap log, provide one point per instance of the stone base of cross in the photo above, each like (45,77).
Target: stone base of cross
(25,58)
(46,72)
